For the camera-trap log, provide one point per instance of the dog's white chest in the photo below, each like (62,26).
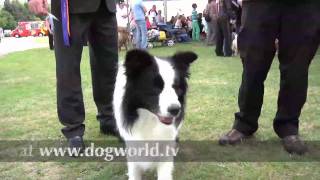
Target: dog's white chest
(148,127)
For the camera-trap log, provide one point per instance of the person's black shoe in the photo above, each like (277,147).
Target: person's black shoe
(294,145)
(109,127)
(232,137)
(76,143)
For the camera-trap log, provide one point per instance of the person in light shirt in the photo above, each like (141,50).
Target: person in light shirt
(139,12)
(153,14)
(160,18)
(122,15)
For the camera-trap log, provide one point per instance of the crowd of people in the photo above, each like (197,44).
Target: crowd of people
(215,24)
(223,19)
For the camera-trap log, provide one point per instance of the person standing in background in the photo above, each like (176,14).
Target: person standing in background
(93,21)
(236,8)
(160,18)
(139,11)
(133,27)
(204,29)
(122,16)
(189,26)
(50,27)
(211,12)
(178,24)
(123,26)
(201,25)
(195,24)
(153,14)
(148,23)
(224,15)
(1,33)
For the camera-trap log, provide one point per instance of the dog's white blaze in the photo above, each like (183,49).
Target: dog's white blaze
(168,96)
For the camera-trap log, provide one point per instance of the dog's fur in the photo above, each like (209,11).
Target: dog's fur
(149,103)
(123,38)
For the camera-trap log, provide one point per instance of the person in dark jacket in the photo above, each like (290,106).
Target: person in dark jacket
(296,24)
(237,9)
(224,15)
(93,21)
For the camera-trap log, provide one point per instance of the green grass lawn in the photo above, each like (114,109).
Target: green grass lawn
(28,111)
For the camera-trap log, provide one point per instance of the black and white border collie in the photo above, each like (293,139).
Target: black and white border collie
(149,103)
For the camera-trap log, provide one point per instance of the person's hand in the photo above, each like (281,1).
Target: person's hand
(39,7)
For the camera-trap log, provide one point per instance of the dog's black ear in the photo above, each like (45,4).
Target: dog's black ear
(137,60)
(182,60)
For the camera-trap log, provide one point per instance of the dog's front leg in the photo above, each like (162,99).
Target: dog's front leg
(165,170)
(134,171)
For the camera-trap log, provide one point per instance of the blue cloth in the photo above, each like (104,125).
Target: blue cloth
(194,15)
(65,22)
(183,37)
(141,34)
(138,10)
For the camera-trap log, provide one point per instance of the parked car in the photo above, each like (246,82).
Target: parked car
(7,33)
(43,31)
(29,28)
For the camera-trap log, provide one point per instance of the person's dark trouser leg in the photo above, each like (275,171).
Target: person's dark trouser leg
(212,26)
(69,93)
(226,31)
(103,43)
(213,31)
(257,50)
(238,21)
(219,39)
(50,36)
(209,34)
(298,42)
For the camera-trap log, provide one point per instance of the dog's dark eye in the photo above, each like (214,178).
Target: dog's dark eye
(158,82)
(178,89)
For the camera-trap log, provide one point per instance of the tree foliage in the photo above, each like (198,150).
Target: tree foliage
(17,11)
(7,20)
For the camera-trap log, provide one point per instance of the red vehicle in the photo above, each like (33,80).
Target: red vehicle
(30,28)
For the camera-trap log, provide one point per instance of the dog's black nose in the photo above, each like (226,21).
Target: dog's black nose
(174,110)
